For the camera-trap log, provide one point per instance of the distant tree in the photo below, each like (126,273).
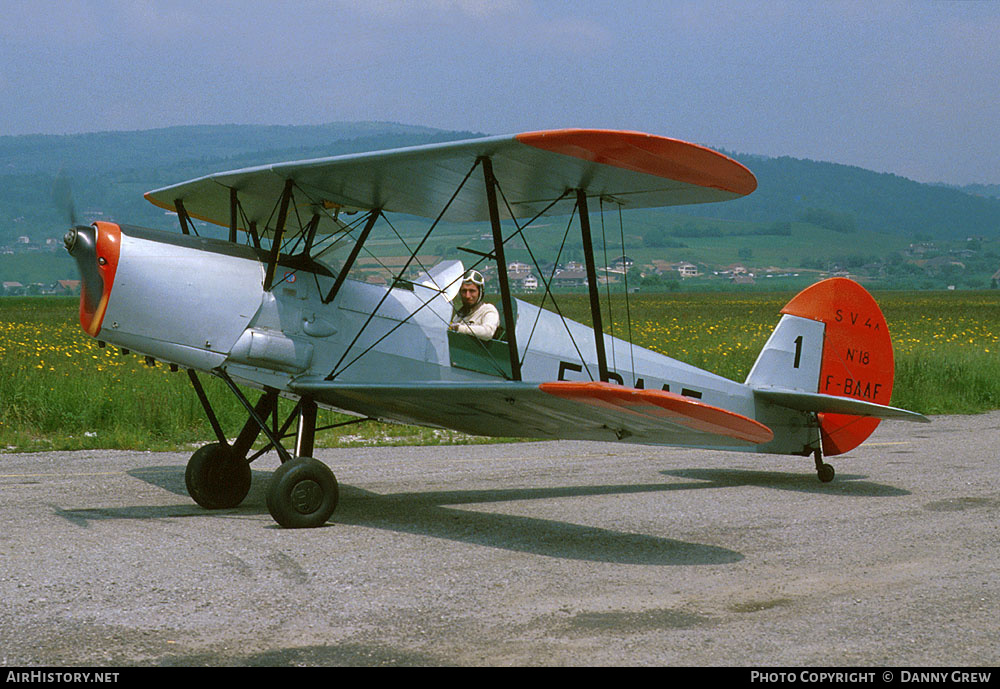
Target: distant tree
(832,220)
(690,229)
(658,239)
(781,228)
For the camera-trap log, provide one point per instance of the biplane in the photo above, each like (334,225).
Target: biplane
(274,307)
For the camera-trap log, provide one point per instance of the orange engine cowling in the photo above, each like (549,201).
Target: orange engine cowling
(96,249)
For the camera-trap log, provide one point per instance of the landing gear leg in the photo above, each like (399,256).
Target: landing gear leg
(823,470)
(303,492)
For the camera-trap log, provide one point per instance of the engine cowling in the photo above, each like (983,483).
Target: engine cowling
(177,298)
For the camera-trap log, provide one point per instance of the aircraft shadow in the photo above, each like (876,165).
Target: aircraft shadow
(334,655)
(844,484)
(438,514)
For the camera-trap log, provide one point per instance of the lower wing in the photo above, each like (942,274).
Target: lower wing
(565,410)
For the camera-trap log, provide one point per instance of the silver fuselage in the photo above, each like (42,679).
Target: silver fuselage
(200,303)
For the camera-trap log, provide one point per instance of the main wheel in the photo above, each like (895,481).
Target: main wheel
(215,478)
(303,493)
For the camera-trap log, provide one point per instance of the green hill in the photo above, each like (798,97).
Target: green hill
(109,172)
(804,215)
(790,189)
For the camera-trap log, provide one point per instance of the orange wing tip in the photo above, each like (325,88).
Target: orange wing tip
(663,405)
(648,154)
(159,204)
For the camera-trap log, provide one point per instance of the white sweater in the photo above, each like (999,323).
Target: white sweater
(482,322)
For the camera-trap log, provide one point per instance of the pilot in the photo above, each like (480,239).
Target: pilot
(476,317)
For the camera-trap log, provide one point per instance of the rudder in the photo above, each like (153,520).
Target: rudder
(854,358)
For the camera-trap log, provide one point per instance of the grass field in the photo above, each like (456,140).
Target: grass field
(946,344)
(59,390)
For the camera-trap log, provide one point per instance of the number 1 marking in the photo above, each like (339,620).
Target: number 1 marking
(798,351)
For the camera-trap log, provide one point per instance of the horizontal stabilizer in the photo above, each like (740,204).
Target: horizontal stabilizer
(830,404)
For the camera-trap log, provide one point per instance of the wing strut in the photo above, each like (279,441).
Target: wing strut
(279,230)
(541,273)
(234,205)
(183,217)
(311,234)
(355,250)
(595,297)
(508,311)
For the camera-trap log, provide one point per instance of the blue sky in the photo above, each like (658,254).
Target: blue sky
(904,87)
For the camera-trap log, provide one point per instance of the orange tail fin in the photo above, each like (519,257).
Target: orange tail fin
(857,360)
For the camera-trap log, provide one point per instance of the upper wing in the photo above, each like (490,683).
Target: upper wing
(564,410)
(533,169)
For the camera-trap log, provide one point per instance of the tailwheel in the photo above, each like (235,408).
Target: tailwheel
(824,471)
(303,493)
(216,478)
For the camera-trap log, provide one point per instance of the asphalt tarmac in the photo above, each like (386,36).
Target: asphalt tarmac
(521,554)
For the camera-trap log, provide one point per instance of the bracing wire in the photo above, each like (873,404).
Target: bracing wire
(519,232)
(628,310)
(547,283)
(336,370)
(406,246)
(607,289)
(403,322)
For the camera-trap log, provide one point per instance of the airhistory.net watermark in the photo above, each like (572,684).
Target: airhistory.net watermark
(55,677)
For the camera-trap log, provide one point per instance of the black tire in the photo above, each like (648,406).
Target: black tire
(303,493)
(825,473)
(215,478)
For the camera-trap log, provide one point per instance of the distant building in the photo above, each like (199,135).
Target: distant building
(610,276)
(570,278)
(940,262)
(526,282)
(66,287)
(521,278)
(686,270)
(734,270)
